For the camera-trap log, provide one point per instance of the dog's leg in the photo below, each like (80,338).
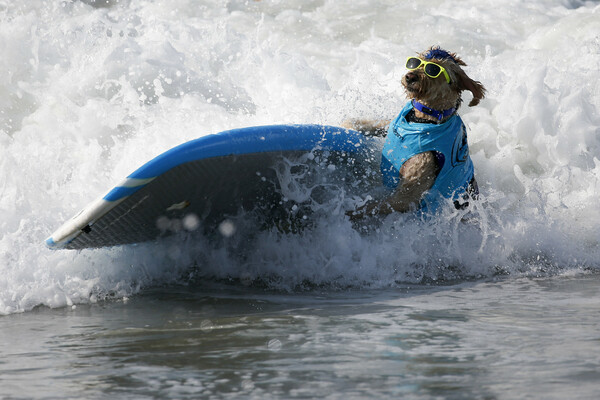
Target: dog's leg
(417,175)
(368,127)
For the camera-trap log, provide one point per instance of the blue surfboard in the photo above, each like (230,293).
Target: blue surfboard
(212,178)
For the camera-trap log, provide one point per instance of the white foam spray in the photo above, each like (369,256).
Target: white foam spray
(90,90)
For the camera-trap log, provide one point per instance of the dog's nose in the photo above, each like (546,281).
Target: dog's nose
(411,77)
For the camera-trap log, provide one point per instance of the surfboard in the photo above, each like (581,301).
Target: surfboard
(204,181)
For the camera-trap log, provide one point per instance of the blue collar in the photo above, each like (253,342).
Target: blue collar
(430,111)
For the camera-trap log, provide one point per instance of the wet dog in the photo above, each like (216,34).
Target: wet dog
(426,156)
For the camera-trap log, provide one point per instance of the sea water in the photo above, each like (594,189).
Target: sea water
(502,302)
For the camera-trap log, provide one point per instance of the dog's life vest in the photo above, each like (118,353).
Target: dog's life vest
(448,140)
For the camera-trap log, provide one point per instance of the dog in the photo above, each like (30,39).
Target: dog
(425,158)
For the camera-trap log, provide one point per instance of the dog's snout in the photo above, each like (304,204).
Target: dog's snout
(411,77)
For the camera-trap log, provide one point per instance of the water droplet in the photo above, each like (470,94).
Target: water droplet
(191,222)
(227,228)
(206,325)
(274,345)
(247,384)
(163,223)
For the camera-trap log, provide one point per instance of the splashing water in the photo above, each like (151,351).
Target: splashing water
(90,90)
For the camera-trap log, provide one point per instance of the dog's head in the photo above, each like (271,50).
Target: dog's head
(438,93)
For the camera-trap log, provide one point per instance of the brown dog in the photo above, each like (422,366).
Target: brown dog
(434,84)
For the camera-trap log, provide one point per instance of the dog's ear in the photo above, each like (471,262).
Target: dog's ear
(466,83)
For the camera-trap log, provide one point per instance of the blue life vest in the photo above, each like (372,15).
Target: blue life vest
(448,140)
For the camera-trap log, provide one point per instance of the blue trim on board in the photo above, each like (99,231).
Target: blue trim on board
(256,139)
(120,192)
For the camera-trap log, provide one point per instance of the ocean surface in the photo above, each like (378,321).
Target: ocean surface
(499,303)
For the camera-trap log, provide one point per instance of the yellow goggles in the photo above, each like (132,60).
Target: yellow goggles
(431,69)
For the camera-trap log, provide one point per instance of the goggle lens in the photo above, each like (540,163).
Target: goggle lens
(413,63)
(433,70)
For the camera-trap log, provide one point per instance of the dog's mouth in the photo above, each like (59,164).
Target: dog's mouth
(412,87)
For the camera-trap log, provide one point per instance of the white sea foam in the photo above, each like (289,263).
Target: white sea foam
(91,90)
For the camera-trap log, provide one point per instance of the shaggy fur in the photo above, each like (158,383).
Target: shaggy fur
(437,93)
(419,173)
